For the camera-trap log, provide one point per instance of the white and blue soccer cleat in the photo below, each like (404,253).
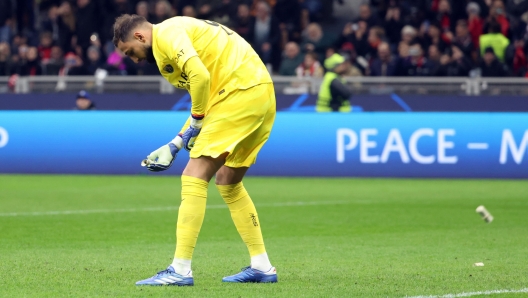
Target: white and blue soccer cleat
(168,277)
(249,274)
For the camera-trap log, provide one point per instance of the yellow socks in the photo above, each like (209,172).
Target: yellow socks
(190,219)
(245,217)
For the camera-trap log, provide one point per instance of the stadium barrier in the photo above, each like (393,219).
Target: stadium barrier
(468,145)
(181,101)
(283,85)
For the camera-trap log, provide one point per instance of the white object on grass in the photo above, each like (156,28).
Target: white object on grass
(479,264)
(486,216)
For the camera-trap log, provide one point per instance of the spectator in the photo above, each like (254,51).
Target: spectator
(224,12)
(519,58)
(416,15)
(355,35)
(254,4)
(110,10)
(27,63)
(85,24)
(408,34)
(433,61)
(61,34)
(313,8)
(142,9)
(462,38)
(243,22)
(18,41)
(334,96)
(5,59)
(292,58)
(25,17)
(181,4)
(462,63)
(315,40)
(116,64)
(6,12)
(205,9)
(415,63)
(498,14)
(434,36)
(69,24)
(475,22)
(67,16)
(83,102)
(491,67)
(33,62)
(288,14)
(454,64)
(189,11)
(264,35)
(386,64)
(444,19)
(162,11)
(44,47)
(494,39)
(393,22)
(310,67)
(73,65)
(375,37)
(358,65)
(365,14)
(55,63)
(94,60)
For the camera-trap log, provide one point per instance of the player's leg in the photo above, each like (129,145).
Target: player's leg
(244,214)
(195,180)
(245,217)
(229,183)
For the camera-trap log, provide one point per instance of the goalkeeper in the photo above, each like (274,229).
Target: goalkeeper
(233,110)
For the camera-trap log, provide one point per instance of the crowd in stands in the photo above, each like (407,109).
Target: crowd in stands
(387,38)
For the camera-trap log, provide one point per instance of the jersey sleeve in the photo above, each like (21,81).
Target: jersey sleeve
(199,86)
(176,45)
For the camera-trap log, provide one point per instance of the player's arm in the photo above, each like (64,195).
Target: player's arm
(200,85)
(199,88)
(176,45)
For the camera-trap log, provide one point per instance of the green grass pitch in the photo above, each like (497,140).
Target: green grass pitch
(95,236)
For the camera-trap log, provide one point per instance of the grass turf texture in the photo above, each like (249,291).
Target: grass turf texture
(381,237)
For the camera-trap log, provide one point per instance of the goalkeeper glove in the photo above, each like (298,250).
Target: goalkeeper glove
(162,158)
(189,136)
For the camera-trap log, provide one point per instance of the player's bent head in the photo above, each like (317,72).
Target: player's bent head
(133,36)
(124,25)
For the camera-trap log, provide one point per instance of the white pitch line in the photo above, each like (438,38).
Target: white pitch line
(157,209)
(525,290)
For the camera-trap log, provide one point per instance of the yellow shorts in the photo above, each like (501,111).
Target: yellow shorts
(240,125)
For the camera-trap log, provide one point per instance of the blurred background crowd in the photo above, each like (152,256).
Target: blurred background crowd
(293,37)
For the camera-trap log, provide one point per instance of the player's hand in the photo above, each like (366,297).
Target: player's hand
(162,158)
(190,135)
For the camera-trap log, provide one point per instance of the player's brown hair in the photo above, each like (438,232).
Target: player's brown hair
(124,24)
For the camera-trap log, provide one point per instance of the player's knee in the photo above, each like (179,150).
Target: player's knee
(228,176)
(221,179)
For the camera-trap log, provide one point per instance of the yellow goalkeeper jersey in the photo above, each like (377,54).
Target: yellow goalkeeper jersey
(231,61)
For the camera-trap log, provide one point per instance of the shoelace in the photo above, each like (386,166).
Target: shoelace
(166,271)
(248,268)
